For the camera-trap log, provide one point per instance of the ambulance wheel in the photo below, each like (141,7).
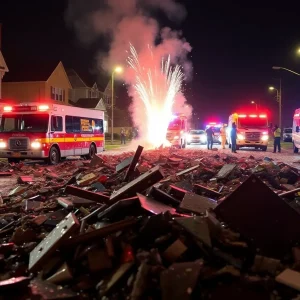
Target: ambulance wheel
(92,152)
(296,150)
(53,158)
(264,148)
(183,144)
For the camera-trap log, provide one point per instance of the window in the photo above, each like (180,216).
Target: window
(98,126)
(89,94)
(57,94)
(56,123)
(69,124)
(25,123)
(76,124)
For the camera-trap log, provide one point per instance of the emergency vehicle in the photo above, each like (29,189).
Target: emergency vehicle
(296,131)
(177,131)
(50,132)
(252,130)
(216,127)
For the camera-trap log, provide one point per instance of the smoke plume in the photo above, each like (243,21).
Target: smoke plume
(125,22)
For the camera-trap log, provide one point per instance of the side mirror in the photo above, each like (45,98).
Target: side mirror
(297,128)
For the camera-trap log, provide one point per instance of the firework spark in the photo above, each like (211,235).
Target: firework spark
(157,89)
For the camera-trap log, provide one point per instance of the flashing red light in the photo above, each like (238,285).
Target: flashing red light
(296,115)
(242,116)
(253,116)
(265,132)
(212,123)
(43,107)
(262,116)
(7,108)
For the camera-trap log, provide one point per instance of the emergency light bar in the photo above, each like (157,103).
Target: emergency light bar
(252,116)
(25,108)
(296,115)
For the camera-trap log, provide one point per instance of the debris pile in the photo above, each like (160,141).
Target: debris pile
(153,225)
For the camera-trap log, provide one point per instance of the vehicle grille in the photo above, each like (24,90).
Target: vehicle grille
(252,136)
(18,144)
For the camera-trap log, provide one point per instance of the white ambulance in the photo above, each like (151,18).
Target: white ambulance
(252,130)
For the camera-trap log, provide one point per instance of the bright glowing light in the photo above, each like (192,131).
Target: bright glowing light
(43,107)
(7,108)
(2,144)
(36,145)
(253,102)
(271,88)
(242,116)
(262,116)
(264,137)
(118,69)
(296,115)
(253,116)
(157,89)
(298,51)
(240,136)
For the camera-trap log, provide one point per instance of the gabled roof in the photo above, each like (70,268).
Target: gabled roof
(30,70)
(75,79)
(3,66)
(90,103)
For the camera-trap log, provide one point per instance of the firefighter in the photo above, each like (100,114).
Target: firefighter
(223,136)
(277,134)
(123,136)
(233,136)
(210,134)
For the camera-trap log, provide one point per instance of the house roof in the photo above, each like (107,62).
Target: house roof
(90,103)
(75,79)
(3,66)
(30,70)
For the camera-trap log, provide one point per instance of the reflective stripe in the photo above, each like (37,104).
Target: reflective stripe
(73,139)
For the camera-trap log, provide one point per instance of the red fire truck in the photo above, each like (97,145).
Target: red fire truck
(50,132)
(177,131)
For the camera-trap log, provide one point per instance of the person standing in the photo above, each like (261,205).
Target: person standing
(123,137)
(277,135)
(233,137)
(223,136)
(209,136)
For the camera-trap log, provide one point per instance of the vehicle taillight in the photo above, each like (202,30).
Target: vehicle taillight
(242,116)
(7,108)
(253,116)
(262,116)
(43,107)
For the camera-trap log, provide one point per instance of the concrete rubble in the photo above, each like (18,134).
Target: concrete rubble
(163,224)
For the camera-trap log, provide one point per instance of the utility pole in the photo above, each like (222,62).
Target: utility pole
(280,105)
(112,107)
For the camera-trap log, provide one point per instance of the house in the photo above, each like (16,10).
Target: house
(32,81)
(3,70)
(84,89)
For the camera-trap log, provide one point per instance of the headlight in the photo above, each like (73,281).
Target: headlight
(240,136)
(36,145)
(176,137)
(264,137)
(189,137)
(203,138)
(2,144)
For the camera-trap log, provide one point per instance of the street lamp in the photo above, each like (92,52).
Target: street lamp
(278,98)
(118,70)
(298,51)
(281,68)
(253,102)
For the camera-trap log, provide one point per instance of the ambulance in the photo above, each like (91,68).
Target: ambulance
(252,130)
(177,131)
(50,132)
(296,131)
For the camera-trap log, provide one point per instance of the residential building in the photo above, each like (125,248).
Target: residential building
(32,81)
(3,68)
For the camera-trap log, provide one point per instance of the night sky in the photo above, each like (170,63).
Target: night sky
(234,49)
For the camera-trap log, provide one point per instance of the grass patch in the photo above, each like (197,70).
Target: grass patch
(112,147)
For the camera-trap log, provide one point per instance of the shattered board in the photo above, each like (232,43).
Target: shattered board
(260,215)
